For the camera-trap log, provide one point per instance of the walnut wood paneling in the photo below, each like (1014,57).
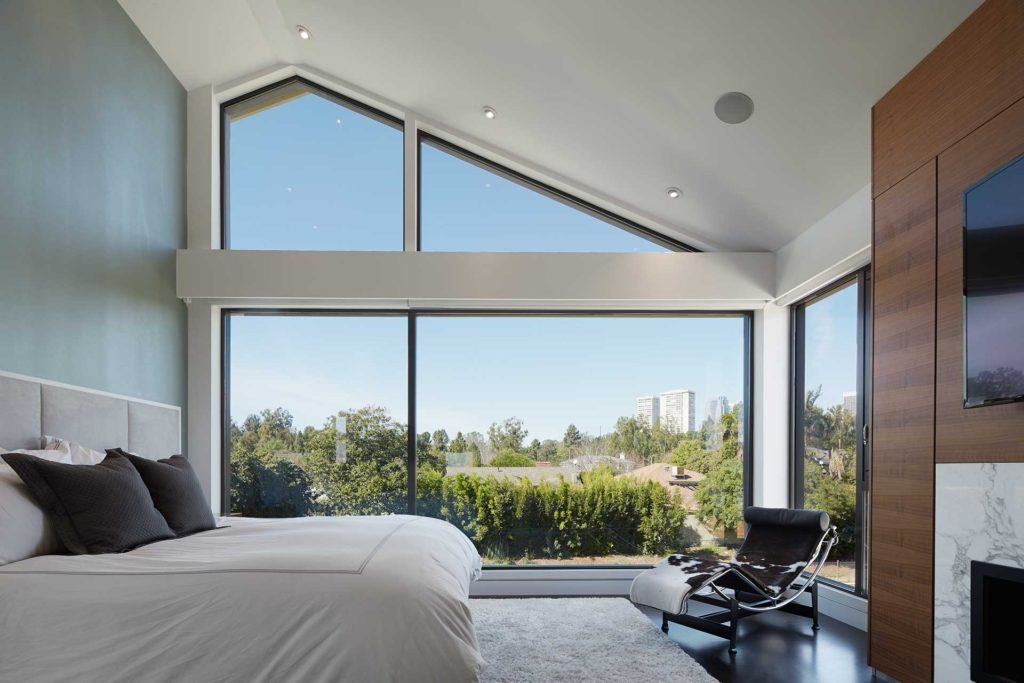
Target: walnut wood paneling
(994,433)
(970,77)
(903,423)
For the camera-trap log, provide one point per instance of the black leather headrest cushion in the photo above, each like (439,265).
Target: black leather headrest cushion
(815,520)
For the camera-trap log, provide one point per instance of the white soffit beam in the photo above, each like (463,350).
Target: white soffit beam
(729,280)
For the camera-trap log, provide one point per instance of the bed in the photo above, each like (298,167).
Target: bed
(306,599)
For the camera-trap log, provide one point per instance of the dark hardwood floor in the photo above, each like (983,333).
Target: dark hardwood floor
(778,647)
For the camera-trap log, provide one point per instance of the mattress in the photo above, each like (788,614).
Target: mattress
(306,599)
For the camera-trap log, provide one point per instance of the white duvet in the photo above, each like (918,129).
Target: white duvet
(307,599)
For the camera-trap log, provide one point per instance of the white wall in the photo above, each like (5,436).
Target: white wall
(771,406)
(836,245)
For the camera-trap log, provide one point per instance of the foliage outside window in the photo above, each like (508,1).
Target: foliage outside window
(829,368)
(568,497)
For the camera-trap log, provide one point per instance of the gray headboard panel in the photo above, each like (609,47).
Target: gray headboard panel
(20,413)
(31,407)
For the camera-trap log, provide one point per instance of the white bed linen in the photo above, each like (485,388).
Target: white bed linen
(307,599)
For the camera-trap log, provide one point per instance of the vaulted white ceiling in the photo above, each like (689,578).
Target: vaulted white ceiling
(615,96)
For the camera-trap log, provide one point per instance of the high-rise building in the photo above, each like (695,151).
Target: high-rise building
(677,411)
(715,409)
(850,402)
(647,410)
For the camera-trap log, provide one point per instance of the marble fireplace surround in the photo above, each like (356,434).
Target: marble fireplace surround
(979,515)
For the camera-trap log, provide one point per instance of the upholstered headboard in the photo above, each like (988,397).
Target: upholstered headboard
(32,407)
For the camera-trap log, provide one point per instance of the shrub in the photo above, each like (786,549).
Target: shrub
(837,497)
(601,515)
(509,458)
(720,495)
(266,486)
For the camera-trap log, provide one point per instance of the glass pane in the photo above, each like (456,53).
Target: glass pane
(464,207)
(830,419)
(307,173)
(318,415)
(534,441)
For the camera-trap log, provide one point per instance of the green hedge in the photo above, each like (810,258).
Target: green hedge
(602,515)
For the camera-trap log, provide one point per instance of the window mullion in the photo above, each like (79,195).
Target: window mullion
(411,185)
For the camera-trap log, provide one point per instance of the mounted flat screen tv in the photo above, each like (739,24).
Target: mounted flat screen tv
(994,288)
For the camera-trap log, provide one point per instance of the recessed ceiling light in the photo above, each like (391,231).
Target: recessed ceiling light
(674,193)
(489,112)
(734,107)
(303,32)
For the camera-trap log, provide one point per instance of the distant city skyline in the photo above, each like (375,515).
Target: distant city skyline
(716,408)
(475,371)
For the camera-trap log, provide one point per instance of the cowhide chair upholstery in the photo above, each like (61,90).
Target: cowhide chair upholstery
(768,573)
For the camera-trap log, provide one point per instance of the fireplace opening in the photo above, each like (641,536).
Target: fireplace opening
(997,611)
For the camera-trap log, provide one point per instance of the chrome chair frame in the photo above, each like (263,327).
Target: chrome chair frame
(738,604)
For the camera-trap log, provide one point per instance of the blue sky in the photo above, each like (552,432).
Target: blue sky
(831,349)
(311,174)
(467,208)
(473,371)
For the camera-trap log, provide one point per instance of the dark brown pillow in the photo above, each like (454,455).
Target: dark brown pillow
(103,508)
(176,492)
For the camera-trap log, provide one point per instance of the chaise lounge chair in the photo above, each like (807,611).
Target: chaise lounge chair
(772,569)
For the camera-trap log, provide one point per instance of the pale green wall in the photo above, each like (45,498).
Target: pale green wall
(92,201)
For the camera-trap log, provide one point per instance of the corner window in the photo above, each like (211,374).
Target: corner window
(830,357)
(307,169)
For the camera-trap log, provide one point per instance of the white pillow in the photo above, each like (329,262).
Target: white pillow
(25,530)
(72,452)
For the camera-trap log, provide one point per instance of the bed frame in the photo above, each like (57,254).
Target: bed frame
(31,407)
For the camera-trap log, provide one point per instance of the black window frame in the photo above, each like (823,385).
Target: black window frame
(251,97)
(412,315)
(543,189)
(798,392)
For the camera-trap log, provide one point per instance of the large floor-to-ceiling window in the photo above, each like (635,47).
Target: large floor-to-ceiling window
(830,354)
(556,439)
(559,437)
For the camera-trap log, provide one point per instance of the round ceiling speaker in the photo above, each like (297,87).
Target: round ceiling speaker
(734,107)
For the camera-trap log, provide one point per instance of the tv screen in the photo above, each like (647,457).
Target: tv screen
(994,288)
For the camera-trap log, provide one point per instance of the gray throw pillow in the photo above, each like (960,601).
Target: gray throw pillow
(102,508)
(176,492)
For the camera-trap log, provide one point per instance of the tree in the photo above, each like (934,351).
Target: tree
(548,451)
(838,499)
(510,458)
(475,460)
(423,442)
(440,438)
(720,496)
(729,426)
(533,450)
(459,444)
(372,479)
(573,440)
(633,437)
(263,486)
(688,453)
(507,435)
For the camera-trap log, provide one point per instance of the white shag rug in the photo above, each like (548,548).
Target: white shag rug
(576,639)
